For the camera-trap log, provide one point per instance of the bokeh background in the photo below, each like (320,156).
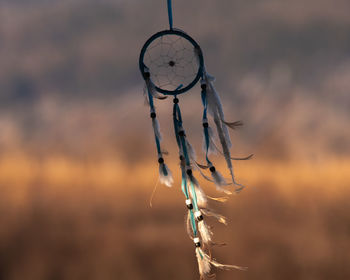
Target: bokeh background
(77,156)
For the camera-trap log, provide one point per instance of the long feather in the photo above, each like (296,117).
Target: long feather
(165,175)
(226,152)
(215,108)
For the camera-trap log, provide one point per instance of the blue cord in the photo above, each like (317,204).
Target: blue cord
(170,15)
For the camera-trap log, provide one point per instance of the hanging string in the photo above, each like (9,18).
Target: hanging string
(170,15)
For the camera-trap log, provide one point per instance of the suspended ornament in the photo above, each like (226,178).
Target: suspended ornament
(171,63)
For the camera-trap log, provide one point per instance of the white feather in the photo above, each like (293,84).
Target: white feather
(215,107)
(165,178)
(205,232)
(203,262)
(202,200)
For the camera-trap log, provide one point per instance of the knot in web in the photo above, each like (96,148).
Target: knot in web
(172,62)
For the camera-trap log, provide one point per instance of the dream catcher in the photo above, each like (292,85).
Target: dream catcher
(171,63)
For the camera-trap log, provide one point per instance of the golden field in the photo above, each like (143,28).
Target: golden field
(72,219)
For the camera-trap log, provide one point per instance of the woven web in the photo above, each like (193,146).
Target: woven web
(172,62)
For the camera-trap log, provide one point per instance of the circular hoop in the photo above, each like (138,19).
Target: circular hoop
(198,53)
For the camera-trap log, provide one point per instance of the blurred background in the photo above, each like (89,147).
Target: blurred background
(77,155)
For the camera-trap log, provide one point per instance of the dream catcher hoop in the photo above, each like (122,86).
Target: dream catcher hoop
(171,63)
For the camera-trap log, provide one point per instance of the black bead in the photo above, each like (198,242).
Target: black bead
(189,172)
(182,157)
(171,63)
(212,169)
(197,244)
(161,160)
(176,100)
(153,115)
(147,75)
(182,133)
(189,206)
(205,124)
(203,86)
(200,218)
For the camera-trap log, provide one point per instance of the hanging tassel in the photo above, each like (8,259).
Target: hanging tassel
(165,176)
(215,108)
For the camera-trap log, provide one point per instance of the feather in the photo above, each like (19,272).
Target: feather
(201,196)
(212,139)
(213,262)
(205,232)
(191,151)
(235,158)
(165,176)
(202,166)
(210,213)
(205,176)
(218,199)
(220,181)
(156,129)
(233,125)
(226,152)
(203,263)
